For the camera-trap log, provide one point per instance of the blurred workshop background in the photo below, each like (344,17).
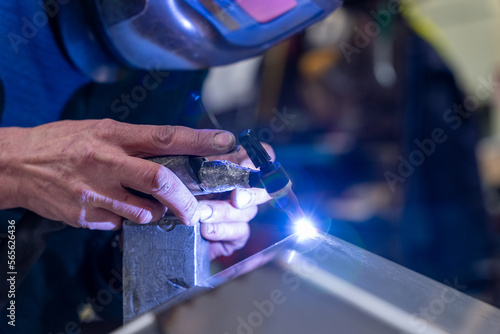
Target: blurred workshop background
(385,116)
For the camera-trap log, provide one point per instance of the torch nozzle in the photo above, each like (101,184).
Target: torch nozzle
(273,177)
(290,205)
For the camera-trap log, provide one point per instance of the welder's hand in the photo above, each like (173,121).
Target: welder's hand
(225,223)
(77,171)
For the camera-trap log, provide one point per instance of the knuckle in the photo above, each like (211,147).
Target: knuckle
(199,140)
(227,250)
(87,154)
(92,156)
(189,209)
(106,127)
(160,181)
(142,215)
(164,135)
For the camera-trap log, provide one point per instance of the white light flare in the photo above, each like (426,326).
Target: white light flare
(305,228)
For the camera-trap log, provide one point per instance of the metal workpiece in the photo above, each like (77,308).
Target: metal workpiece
(160,260)
(207,177)
(321,284)
(221,176)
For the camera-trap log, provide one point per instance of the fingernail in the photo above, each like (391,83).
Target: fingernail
(210,228)
(235,149)
(206,211)
(244,198)
(224,139)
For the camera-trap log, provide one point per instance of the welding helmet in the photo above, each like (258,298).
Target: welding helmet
(182,34)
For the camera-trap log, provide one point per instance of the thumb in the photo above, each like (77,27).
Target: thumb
(150,140)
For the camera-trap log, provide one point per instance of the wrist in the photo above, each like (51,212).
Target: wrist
(10,151)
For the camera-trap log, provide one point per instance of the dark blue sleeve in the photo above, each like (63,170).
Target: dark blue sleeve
(38,79)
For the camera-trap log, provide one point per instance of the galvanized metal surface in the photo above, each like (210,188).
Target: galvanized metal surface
(320,284)
(221,176)
(161,260)
(212,177)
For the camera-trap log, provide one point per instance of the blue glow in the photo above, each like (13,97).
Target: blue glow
(305,228)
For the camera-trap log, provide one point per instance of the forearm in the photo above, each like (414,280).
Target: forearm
(10,151)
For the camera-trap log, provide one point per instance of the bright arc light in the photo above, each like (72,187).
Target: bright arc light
(305,228)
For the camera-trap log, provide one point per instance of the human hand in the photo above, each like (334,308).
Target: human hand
(225,222)
(77,171)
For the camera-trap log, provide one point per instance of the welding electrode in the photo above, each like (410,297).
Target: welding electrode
(207,177)
(273,177)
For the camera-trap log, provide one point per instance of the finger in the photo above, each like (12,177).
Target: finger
(221,248)
(152,140)
(222,211)
(126,205)
(269,150)
(247,163)
(225,231)
(243,198)
(217,249)
(100,219)
(153,179)
(235,157)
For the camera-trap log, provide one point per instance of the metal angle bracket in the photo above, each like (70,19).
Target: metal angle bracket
(160,260)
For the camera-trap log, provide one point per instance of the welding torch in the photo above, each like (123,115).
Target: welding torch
(273,177)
